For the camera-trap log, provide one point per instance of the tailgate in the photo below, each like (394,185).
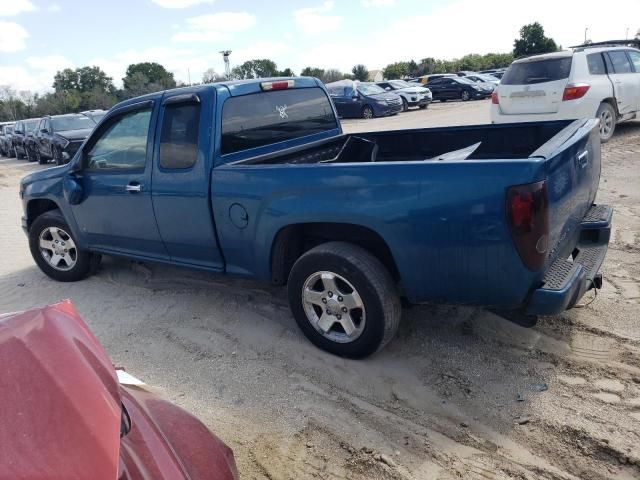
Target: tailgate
(525,99)
(573,175)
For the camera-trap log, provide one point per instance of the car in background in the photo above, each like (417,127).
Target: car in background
(488,81)
(95,115)
(412,95)
(6,133)
(457,88)
(21,132)
(70,414)
(424,79)
(354,99)
(601,81)
(58,137)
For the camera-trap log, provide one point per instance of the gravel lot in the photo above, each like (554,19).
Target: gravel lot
(441,402)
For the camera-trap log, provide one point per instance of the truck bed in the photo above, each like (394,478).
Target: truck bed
(495,143)
(444,222)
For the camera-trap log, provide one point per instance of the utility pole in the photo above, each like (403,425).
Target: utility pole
(189,75)
(227,67)
(585,34)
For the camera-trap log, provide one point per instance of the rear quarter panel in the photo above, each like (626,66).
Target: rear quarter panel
(444,222)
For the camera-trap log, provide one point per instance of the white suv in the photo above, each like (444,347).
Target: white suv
(602,82)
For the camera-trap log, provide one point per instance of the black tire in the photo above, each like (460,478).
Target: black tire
(40,158)
(367,112)
(373,283)
(12,152)
(57,156)
(405,104)
(424,106)
(608,117)
(30,156)
(86,262)
(465,96)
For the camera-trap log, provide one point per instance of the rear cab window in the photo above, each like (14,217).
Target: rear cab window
(179,137)
(538,71)
(259,119)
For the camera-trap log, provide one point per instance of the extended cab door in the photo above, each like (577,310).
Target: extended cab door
(182,167)
(116,213)
(625,84)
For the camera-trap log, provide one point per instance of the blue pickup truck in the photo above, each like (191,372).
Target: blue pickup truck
(256,178)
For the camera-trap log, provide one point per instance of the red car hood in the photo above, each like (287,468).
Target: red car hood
(59,398)
(61,411)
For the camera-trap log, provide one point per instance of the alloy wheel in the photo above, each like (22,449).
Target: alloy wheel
(333,307)
(58,248)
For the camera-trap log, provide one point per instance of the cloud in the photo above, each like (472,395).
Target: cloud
(314,20)
(54,8)
(10,8)
(49,63)
(12,37)
(378,3)
(180,3)
(214,27)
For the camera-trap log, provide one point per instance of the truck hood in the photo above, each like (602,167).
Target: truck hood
(46,174)
(72,135)
(59,395)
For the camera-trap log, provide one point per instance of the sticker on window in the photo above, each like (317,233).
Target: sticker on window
(282,111)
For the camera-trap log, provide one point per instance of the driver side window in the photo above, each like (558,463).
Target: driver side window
(123,145)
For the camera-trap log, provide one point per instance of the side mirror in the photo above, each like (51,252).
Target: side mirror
(72,190)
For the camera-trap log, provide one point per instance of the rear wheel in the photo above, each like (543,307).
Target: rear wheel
(344,300)
(405,104)
(55,250)
(607,116)
(464,96)
(367,112)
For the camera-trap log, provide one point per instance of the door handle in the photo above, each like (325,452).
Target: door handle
(133,187)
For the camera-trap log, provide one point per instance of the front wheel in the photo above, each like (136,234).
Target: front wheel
(367,112)
(55,250)
(344,300)
(607,116)
(405,104)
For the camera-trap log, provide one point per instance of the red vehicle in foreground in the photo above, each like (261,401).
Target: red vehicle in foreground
(64,414)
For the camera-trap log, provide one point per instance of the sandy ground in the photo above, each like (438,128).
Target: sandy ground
(442,401)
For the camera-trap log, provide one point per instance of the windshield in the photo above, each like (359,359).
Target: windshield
(401,84)
(370,89)
(61,124)
(537,71)
(8,129)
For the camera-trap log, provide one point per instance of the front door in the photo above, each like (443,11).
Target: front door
(180,190)
(116,213)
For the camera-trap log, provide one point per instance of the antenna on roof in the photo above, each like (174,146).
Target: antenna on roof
(227,67)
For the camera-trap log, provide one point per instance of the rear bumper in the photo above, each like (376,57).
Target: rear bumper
(567,280)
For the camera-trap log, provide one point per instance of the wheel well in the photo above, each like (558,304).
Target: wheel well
(35,208)
(613,103)
(294,240)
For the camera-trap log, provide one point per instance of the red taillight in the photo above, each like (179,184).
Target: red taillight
(280,85)
(494,98)
(573,91)
(528,219)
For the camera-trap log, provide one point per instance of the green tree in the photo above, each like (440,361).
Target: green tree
(396,70)
(287,72)
(360,72)
(533,41)
(211,76)
(83,79)
(146,77)
(332,75)
(312,72)
(259,68)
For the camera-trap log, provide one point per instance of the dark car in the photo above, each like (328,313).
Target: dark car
(58,137)
(456,88)
(21,132)
(6,134)
(363,99)
(68,413)
(95,115)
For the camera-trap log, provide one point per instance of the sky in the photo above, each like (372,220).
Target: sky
(40,37)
